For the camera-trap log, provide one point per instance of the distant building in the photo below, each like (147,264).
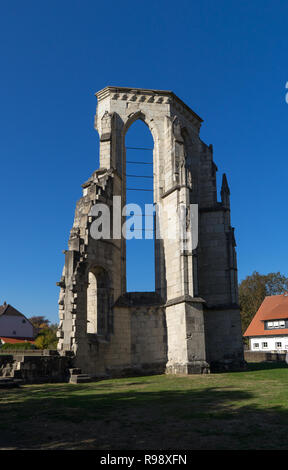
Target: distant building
(268,331)
(14,325)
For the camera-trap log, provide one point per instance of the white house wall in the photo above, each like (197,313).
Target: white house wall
(271,343)
(14,326)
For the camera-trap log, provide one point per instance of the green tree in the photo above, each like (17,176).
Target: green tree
(253,290)
(46,339)
(54,327)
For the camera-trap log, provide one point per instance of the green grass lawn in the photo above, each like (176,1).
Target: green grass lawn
(240,410)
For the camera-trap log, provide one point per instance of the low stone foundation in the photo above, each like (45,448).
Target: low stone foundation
(195,367)
(45,367)
(262,356)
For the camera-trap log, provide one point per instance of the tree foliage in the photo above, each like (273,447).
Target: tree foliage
(39,321)
(46,338)
(253,290)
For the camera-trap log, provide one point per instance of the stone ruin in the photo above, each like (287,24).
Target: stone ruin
(191,322)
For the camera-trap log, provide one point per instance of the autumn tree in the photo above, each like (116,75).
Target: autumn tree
(253,290)
(39,321)
(46,338)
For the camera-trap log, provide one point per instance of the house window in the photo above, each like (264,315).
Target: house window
(264,345)
(276,324)
(278,345)
(256,345)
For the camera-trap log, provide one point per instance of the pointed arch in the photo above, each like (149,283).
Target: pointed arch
(139,185)
(98,301)
(139,115)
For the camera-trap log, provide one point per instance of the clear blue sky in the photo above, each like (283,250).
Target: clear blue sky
(226,59)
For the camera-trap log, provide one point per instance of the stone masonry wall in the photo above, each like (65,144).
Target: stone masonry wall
(138,344)
(148,339)
(224,344)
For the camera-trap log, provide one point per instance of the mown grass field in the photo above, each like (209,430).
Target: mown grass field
(241,410)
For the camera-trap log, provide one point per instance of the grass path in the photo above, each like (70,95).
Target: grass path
(244,410)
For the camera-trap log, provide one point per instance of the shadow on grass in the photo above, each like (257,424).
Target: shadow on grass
(93,416)
(57,403)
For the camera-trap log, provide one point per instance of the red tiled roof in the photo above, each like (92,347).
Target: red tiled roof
(16,340)
(274,307)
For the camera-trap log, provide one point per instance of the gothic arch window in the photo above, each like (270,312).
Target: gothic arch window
(190,174)
(140,250)
(98,301)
